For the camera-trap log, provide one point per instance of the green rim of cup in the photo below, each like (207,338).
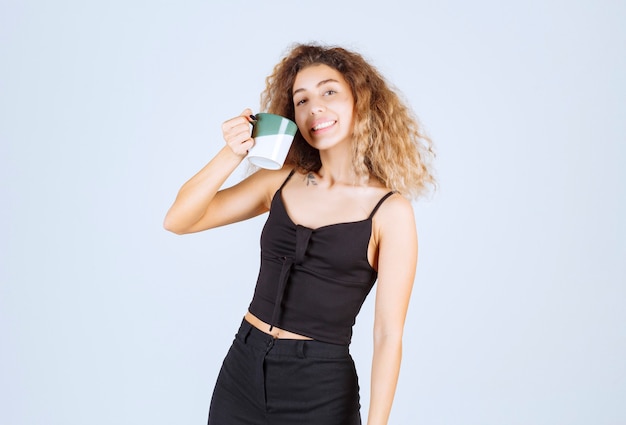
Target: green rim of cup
(271,124)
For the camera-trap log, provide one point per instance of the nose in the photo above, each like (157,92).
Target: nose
(316,106)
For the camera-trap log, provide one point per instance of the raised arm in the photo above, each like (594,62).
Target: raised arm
(397,259)
(200,205)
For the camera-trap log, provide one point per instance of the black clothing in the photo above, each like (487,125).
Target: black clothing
(285,382)
(313,282)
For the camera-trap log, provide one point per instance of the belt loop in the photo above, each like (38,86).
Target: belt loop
(301,354)
(248,329)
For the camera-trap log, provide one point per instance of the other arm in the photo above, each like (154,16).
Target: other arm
(397,260)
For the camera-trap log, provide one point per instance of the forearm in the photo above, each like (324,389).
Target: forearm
(195,195)
(385,371)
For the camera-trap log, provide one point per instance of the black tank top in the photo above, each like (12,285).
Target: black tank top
(313,281)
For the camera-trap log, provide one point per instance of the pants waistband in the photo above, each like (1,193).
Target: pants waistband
(251,336)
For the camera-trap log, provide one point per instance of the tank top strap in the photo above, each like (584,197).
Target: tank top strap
(291,173)
(380,203)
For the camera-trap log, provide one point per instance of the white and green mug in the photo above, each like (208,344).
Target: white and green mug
(272,135)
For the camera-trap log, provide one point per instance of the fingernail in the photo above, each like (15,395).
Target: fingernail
(253,117)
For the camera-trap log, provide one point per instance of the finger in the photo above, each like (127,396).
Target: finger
(237,134)
(234,122)
(246,117)
(241,131)
(248,144)
(242,148)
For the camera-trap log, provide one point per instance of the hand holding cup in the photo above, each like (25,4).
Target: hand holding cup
(236,132)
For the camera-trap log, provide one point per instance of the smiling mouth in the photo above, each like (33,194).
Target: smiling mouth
(323,125)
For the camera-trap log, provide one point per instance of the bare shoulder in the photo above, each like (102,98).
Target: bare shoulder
(267,181)
(395,207)
(395,215)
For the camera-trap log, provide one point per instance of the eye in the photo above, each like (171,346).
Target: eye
(329,92)
(299,102)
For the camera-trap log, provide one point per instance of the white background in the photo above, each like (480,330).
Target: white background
(518,315)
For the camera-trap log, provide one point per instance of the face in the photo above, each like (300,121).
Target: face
(324,106)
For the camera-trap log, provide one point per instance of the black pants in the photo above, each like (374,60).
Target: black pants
(285,382)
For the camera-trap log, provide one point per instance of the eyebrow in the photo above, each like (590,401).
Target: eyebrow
(321,83)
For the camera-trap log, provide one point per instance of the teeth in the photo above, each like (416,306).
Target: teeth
(323,125)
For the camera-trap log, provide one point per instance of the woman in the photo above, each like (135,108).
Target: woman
(339,221)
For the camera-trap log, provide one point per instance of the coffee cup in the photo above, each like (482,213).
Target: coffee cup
(272,135)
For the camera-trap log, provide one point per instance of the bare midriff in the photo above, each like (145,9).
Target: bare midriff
(275,332)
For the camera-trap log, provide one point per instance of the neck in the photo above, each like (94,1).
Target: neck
(337,168)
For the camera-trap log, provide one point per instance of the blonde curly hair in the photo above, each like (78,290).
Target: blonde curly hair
(388,144)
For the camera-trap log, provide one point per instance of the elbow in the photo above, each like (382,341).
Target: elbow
(172,229)
(391,337)
(388,346)
(171,226)
(388,339)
